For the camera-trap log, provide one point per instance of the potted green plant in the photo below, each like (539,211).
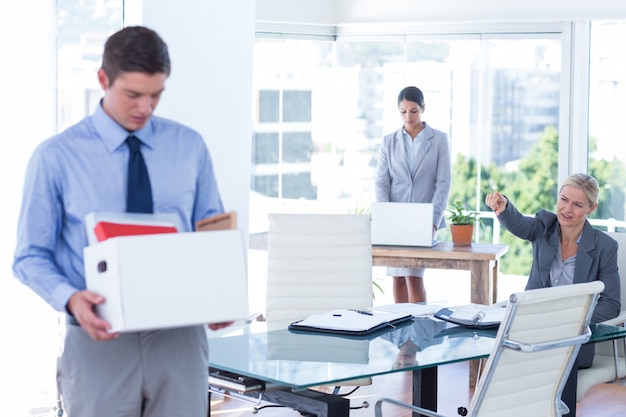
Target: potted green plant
(462,223)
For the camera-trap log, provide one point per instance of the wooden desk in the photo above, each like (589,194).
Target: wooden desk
(481,259)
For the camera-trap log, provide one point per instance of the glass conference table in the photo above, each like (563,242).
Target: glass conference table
(281,364)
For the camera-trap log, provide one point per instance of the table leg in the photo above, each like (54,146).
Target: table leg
(494,282)
(481,277)
(425,388)
(476,367)
(484,291)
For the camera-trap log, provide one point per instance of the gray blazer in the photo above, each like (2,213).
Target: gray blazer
(596,259)
(430,183)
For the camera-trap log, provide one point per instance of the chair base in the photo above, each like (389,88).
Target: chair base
(307,402)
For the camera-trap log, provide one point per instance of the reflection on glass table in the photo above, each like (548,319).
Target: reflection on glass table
(300,361)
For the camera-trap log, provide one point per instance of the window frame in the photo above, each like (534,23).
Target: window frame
(575,43)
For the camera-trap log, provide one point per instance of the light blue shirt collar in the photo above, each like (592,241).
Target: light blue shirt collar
(412,147)
(114,135)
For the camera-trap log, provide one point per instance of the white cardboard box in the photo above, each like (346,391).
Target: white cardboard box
(169,280)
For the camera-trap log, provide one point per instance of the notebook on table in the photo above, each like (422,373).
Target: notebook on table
(473,316)
(403,224)
(350,322)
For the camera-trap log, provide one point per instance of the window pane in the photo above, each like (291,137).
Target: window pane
(298,186)
(498,99)
(265,148)
(266,185)
(505,115)
(297,107)
(607,106)
(83,27)
(297,147)
(268,106)
(293,81)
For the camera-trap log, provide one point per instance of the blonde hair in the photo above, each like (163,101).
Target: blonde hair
(585,182)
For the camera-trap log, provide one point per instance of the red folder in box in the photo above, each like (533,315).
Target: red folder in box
(106,230)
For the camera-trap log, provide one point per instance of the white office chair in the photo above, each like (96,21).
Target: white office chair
(534,352)
(318,263)
(609,363)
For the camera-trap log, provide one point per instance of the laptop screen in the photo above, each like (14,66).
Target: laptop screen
(402,224)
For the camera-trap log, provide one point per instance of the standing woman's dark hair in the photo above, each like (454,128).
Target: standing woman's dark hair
(413,94)
(135,49)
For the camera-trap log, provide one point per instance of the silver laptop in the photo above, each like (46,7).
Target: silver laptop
(403,224)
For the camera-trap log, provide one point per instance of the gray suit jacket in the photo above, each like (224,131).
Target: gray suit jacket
(430,183)
(596,259)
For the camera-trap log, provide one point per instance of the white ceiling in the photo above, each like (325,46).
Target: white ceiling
(350,12)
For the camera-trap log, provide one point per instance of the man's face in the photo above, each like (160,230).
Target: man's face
(132,97)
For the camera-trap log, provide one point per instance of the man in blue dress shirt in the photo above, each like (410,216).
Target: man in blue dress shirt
(84,169)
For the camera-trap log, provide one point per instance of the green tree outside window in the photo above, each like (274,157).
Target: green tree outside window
(533,186)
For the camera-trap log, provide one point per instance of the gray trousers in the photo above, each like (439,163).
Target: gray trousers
(147,374)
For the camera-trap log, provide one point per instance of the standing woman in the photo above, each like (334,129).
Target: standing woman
(414,167)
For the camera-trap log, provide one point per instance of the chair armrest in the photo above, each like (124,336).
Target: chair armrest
(617,321)
(253,317)
(538,347)
(237,326)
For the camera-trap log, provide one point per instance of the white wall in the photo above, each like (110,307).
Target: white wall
(211,45)
(298,11)
(27,101)
(340,12)
(27,117)
(426,11)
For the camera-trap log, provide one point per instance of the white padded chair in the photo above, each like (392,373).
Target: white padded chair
(534,352)
(609,362)
(318,263)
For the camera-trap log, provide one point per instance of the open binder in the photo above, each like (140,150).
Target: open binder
(474,316)
(350,322)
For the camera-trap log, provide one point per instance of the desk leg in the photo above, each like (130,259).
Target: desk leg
(480,282)
(484,291)
(494,282)
(425,389)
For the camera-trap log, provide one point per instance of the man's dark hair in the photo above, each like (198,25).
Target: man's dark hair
(135,49)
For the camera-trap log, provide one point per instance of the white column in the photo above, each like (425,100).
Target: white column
(27,117)
(210,88)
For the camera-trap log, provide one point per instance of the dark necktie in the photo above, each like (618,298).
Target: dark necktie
(139,192)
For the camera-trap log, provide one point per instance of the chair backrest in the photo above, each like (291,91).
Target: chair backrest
(317,263)
(536,345)
(621,262)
